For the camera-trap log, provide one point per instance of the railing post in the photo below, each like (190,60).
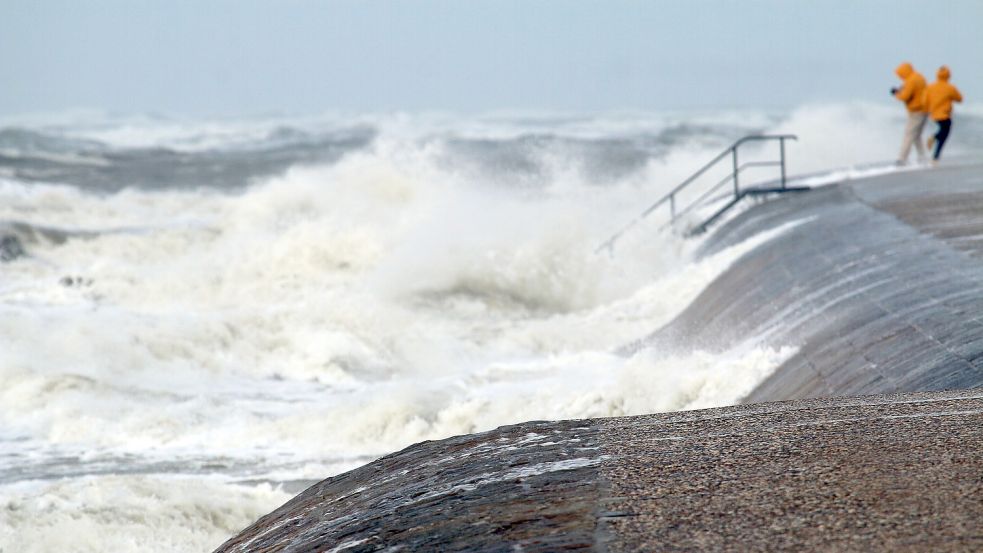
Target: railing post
(735,175)
(781,144)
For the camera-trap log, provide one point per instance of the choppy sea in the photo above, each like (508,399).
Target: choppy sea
(205,315)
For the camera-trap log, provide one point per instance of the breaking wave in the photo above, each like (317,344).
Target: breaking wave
(281,300)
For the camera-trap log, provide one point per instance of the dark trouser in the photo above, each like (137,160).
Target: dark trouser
(941,135)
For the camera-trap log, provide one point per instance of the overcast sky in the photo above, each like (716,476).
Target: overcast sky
(223,57)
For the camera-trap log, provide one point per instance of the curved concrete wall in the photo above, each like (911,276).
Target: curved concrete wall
(880,284)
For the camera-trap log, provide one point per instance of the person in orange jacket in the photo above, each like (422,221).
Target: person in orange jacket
(938,100)
(912,93)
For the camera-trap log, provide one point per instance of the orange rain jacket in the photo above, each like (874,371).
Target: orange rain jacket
(912,92)
(940,95)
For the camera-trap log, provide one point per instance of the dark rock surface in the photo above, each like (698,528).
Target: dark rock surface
(878,282)
(10,247)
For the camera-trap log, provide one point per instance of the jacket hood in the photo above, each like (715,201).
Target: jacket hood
(904,70)
(943,73)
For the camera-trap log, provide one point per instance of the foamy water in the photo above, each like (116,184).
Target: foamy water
(172,352)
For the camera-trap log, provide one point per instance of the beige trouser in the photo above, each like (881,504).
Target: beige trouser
(913,135)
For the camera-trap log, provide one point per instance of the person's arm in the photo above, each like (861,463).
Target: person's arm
(906,91)
(956,95)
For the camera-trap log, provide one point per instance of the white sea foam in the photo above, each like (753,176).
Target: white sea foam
(128,514)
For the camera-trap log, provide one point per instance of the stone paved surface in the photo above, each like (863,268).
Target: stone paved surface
(880,284)
(882,473)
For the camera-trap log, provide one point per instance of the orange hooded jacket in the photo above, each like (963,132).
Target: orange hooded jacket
(940,95)
(912,92)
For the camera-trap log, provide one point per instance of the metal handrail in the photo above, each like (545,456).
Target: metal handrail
(696,203)
(670,197)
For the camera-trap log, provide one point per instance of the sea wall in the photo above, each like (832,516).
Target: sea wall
(880,473)
(879,282)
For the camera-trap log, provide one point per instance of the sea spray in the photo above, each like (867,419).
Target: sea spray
(436,276)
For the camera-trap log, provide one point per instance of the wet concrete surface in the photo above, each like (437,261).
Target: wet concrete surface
(876,473)
(534,484)
(879,284)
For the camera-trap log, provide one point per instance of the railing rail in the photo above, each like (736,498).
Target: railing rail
(736,169)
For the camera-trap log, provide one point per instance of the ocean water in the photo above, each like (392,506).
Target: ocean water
(213,313)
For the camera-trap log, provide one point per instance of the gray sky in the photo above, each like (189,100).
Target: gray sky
(223,57)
